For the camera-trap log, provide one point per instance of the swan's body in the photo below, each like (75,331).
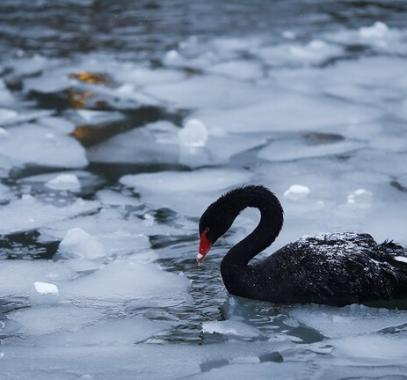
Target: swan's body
(334,269)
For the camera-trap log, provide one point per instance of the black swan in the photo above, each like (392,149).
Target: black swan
(334,269)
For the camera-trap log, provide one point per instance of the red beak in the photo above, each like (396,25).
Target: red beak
(204,247)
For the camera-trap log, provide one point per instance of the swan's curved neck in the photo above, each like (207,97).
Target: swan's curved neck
(239,278)
(271,222)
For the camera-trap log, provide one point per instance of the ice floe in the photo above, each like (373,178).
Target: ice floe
(59,124)
(230,327)
(297,192)
(60,151)
(360,198)
(208,92)
(128,279)
(44,320)
(29,272)
(28,213)
(284,150)
(45,288)
(378,36)
(239,69)
(105,233)
(348,321)
(77,243)
(314,52)
(185,192)
(288,112)
(114,198)
(164,143)
(64,182)
(6,98)
(193,134)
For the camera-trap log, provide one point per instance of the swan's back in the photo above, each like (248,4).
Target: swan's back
(337,269)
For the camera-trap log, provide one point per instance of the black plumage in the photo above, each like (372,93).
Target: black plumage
(334,269)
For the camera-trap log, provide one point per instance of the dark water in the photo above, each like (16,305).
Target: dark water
(143,29)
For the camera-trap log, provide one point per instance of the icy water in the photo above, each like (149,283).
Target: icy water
(121,121)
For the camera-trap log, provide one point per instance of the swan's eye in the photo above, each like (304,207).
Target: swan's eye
(204,245)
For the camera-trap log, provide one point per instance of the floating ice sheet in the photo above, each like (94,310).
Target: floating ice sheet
(297,192)
(115,198)
(185,192)
(208,92)
(77,243)
(314,52)
(245,70)
(128,279)
(64,182)
(6,98)
(42,320)
(5,193)
(287,112)
(78,182)
(378,36)
(144,76)
(28,213)
(45,148)
(29,272)
(45,287)
(163,143)
(57,124)
(193,134)
(106,231)
(155,143)
(335,322)
(382,349)
(230,327)
(285,150)
(109,332)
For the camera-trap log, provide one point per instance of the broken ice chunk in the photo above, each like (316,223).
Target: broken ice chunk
(377,30)
(184,192)
(351,320)
(360,198)
(208,91)
(289,34)
(297,192)
(113,198)
(77,243)
(58,124)
(171,57)
(45,288)
(28,213)
(92,117)
(245,70)
(44,320)
(316,51)
(230,327)
(64,151)
(290,149)
(193,134)
(27,272)
(5,94)
(3,133)
(64,182)
(128,279)
(7,114)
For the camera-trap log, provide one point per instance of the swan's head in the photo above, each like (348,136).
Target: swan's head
(214,222)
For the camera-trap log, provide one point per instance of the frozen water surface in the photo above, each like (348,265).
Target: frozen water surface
(185,192)
(45,147)
(117,133)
